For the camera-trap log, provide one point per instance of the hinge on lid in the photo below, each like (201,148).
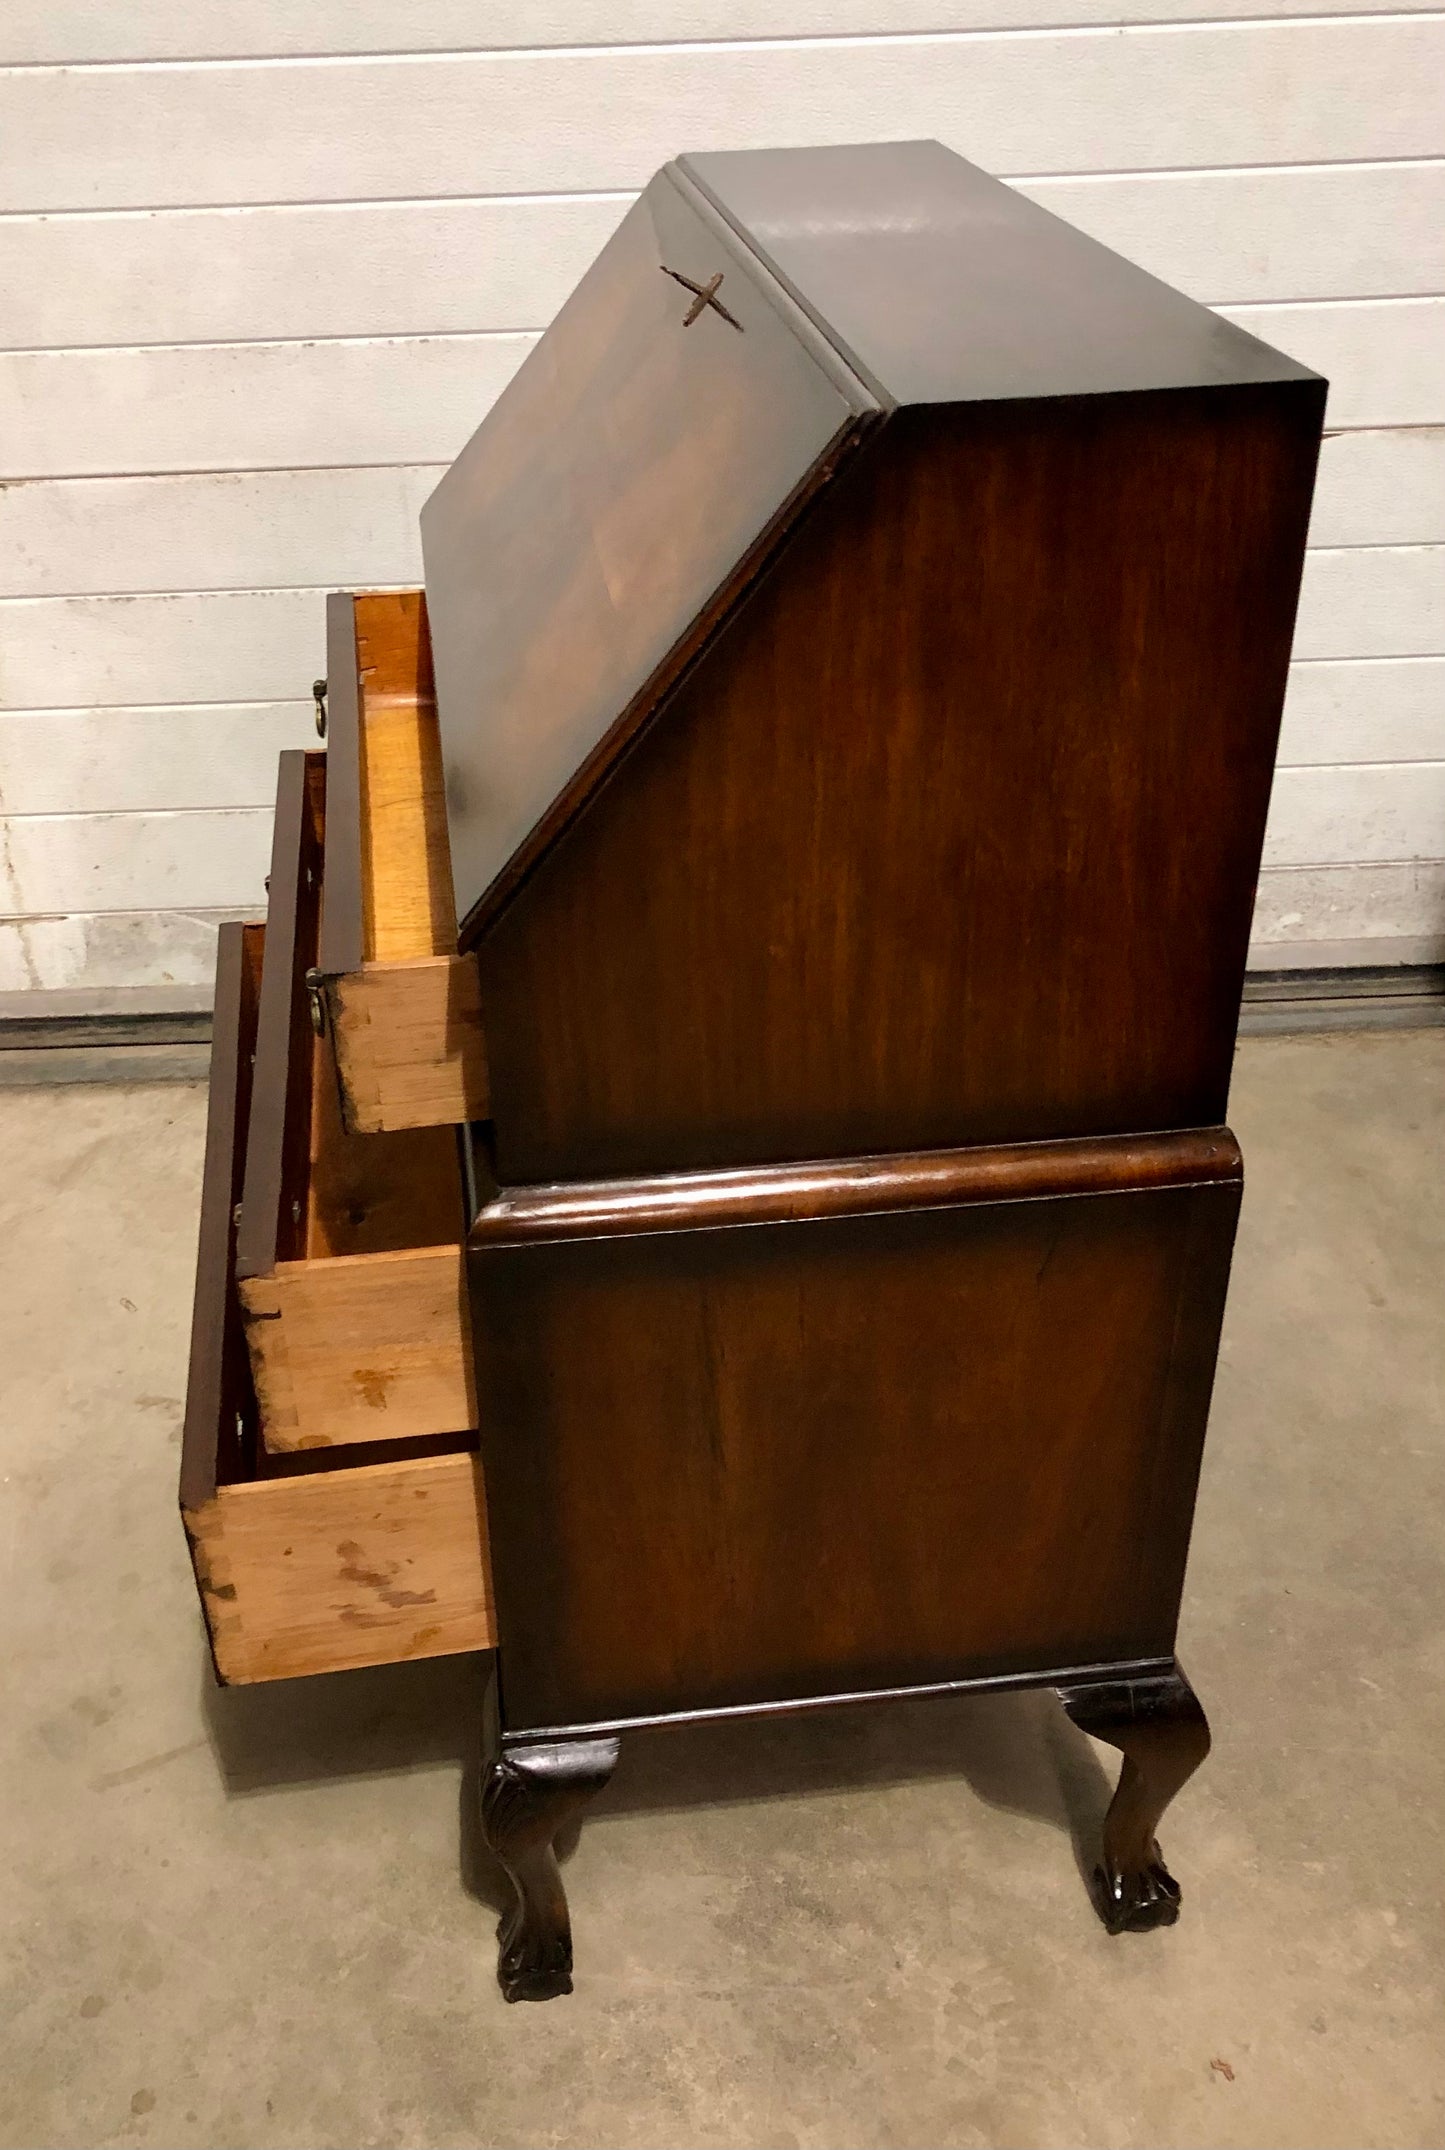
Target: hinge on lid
(318,695)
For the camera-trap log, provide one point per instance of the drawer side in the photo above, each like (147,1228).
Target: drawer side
(307,1563)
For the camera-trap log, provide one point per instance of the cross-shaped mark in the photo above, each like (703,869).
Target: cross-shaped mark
(704,295)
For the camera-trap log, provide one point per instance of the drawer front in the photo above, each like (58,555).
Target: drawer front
(307,1563)
(349,1260)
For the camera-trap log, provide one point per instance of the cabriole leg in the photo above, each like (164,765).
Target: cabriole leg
(528,1794)
(1161,1731)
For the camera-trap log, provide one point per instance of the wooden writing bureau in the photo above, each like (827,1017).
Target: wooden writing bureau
(717,1185)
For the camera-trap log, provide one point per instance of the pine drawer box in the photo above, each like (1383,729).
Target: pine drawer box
(349,1249)
(320,1562)
(397,1002)
(744,1039)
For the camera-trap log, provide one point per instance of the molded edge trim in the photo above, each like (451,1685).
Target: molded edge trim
(800,1193)
(1112,1674)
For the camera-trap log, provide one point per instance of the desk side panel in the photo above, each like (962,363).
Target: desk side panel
(732,1467)
(952,836)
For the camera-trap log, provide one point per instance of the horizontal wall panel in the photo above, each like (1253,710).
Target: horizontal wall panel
(1234,238)
(457,267)
(104,951)
(58,761)
(1363,710)
(84,536)
(1331,904)
(137,862)
(225,646)
(1389,602)
(1332,817)
(1384,361)
(1381,488)
(338,269)
(193,407)
(334,404)
(42,31)
(1314,90)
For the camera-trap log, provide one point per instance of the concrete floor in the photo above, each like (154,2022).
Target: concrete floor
(240,1919)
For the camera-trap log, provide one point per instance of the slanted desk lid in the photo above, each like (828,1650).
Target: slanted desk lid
(942,285)
(593,530)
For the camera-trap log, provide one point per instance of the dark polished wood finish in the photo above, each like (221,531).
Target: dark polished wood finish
(1010,897)
(937,284)
(735,1464)
(529,1792)
(1161,1731)
(218,1433)
(852,1187)
(621,492)
(278,1134)
(860,632)
(953,762)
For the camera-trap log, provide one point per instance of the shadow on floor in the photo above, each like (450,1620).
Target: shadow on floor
(1015,1750)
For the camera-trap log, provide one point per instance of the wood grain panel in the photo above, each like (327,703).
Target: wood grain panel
(635,469)
(747,1466)
(337,1569)
(300,1569)
(1056,101)
(861,1014)
(362,1347)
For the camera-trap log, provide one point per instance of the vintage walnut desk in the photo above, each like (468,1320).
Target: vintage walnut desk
(717,1186)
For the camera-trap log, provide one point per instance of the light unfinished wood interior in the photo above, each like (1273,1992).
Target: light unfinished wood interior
(407,907)
(366,1338)
(407,1027)
(331,1570)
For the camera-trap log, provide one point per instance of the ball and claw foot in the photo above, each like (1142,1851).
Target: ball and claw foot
(528,1794)
(1161,1731)
(531,1966)
(1138,1901)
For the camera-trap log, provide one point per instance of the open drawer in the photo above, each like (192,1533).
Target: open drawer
(398,1003)
(349,1251)
(321,1562)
